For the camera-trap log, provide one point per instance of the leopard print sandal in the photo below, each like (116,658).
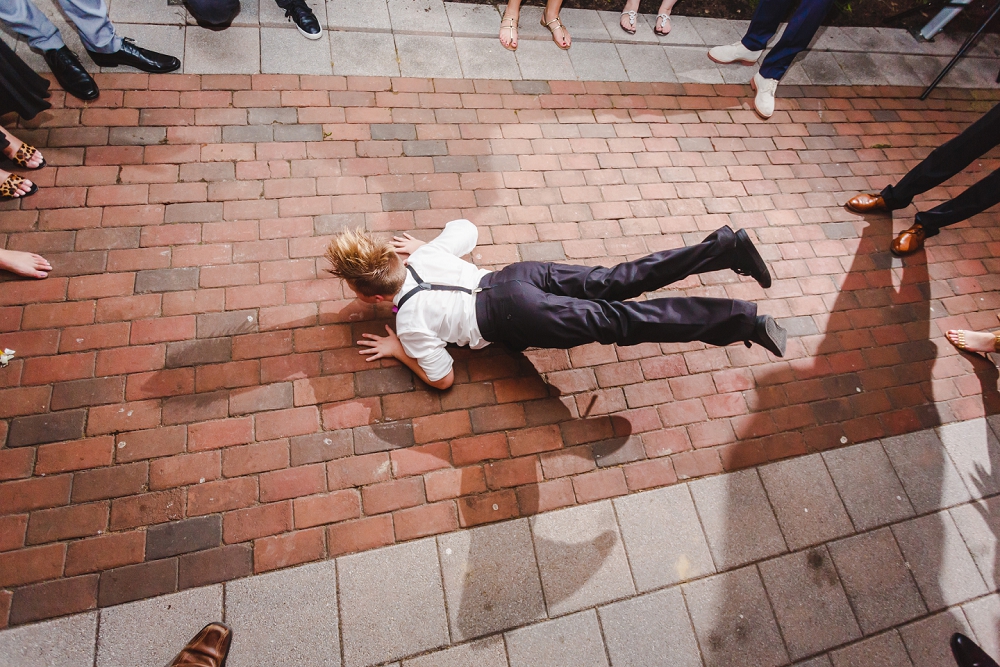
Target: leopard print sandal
(23,156)
(8,189)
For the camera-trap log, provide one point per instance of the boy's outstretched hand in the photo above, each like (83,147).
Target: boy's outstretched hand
(381,347)
(406,244)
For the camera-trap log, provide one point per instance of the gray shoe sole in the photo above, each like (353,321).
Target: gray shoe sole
(772,336)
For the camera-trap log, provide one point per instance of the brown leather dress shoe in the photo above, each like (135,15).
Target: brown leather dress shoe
(865,203)
(909,240)
(209,648)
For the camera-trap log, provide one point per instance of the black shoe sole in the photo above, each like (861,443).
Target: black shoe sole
(745,250)
(771,336)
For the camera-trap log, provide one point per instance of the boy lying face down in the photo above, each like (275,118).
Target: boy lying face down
(441,298)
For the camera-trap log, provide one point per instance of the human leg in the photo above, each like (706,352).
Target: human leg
(802,26)
(663,26)
(508,25)
(722,249)
(25,19)
(946,160)
(764,23)
(630,12)
(19,152)
(522,315)
(550,19)
(93,25)
(976,199)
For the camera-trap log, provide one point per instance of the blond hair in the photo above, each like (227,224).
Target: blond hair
(368,264)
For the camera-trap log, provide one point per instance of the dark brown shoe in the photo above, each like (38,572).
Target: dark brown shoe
(209,648)
(865,203)
(909,240)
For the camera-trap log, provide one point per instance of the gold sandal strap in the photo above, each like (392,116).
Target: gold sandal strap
(555,20)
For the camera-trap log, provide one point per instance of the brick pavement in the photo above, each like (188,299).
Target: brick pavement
(187,407)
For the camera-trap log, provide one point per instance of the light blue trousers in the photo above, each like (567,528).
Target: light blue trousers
(89,16)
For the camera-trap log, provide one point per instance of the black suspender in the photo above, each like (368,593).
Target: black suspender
(421,286)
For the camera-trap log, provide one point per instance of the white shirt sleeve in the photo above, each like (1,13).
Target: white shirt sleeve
(458,238)
(429,351)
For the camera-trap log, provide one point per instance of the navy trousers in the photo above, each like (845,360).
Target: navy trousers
(540,304)
(802,25)
(944,162)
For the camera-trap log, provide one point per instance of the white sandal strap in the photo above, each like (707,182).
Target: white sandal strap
(631,17)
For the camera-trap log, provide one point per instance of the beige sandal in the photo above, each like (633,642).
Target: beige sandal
(553,30)
(665,24)
(512,46)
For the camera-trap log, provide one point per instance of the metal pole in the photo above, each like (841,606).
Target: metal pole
(961,52)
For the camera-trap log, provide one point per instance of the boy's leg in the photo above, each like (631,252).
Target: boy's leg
(522,315)
(627,280)
(93,25)
(27,20)
(945,161)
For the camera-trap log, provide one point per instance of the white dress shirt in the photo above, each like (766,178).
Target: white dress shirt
(431,319)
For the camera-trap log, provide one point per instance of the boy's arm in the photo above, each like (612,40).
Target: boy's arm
(378,347)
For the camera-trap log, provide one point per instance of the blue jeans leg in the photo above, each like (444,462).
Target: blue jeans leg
(765,21)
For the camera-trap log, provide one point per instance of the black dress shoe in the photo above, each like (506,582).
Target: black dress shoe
(137,57)
(749,262)
(70,73)
(770,335)
(967,654)
(299,12)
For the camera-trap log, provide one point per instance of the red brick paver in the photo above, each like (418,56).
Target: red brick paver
(188,360)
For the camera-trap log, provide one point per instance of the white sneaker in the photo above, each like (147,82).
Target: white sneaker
(731,53)
(763,103)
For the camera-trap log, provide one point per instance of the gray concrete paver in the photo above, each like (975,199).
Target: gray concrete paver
(488,652)
(973,448)
(358,14)
(979,523)
(231,51)
(425,16)
(646,62)
(737,519)
(490,579)
(596,61)
(926,640)
(580,557)
(364,54)
(572,640)
(682,32)
(285,51)
(543,60)
(868,485)
(805,501)
(885,650)
(930,478)
(274,16)
(473,20)
(733,621)
(663,537)
(286,618)
(391,603)
(983,616)
(877,581)
(691,65)
(823,69)
(486,58)
(940,562)
(585,25)
(809,602)
(861,69)
(66,642)
(428,56)
(149,633)
(650,631)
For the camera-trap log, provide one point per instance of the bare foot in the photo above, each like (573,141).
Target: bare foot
(22,188)
(26,264)
(975,341)
(560,35)
(508,32)
(15,144)
(628,20)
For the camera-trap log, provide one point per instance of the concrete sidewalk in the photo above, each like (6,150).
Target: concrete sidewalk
(869,555)
(431,38)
